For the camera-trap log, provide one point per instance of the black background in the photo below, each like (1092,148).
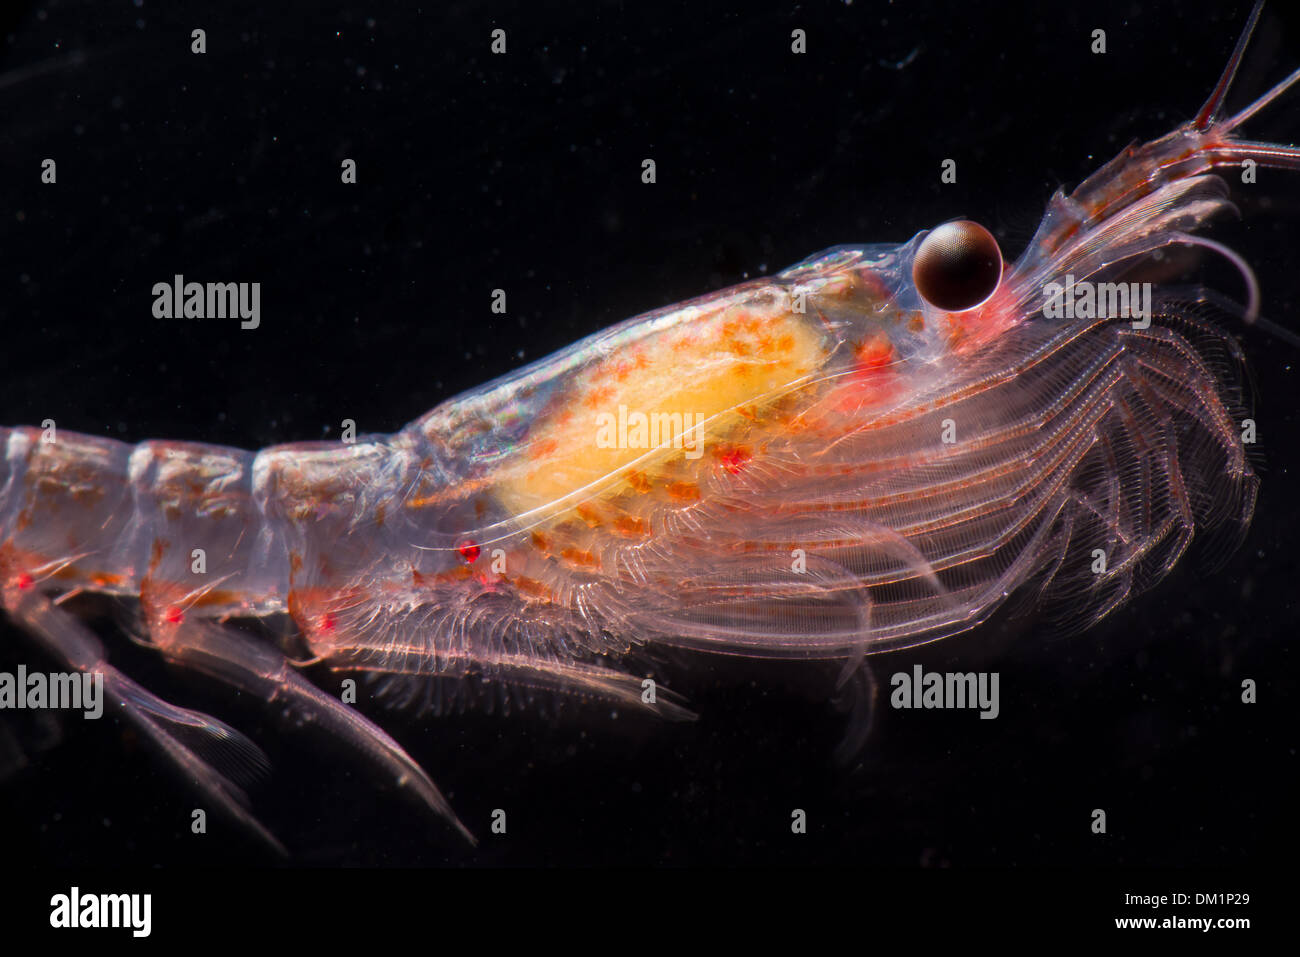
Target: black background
(523,172)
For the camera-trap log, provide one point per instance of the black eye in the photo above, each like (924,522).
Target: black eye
(957,266)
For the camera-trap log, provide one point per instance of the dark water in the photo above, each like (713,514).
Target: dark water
(522,172)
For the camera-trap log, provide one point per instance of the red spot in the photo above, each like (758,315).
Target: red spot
(174,615)
(25,581)
(469,551)
(875,354)
(733,460)
(328,622)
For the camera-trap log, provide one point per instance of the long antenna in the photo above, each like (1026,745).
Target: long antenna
(1210,112)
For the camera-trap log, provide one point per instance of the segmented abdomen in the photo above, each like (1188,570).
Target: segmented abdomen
(174,523)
